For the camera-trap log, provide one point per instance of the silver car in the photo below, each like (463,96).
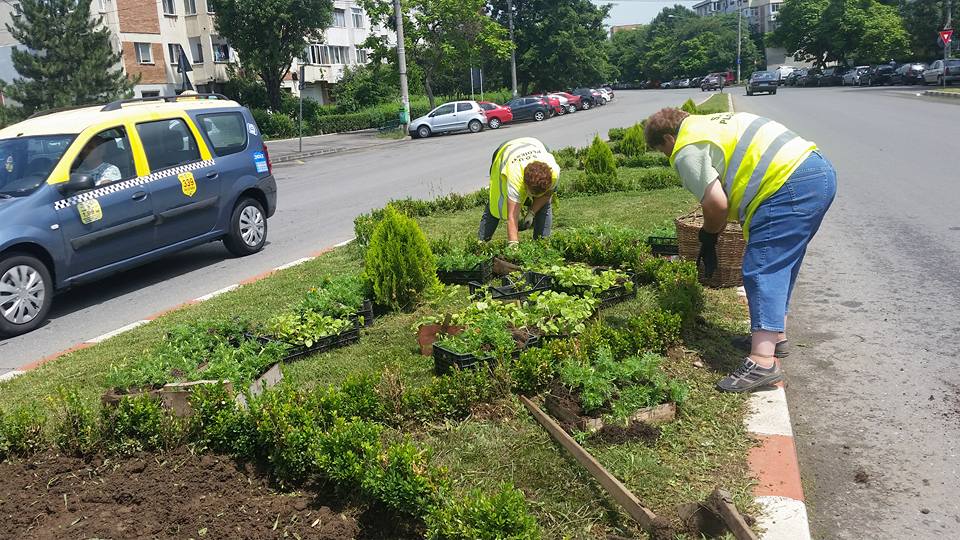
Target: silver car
(449,117)
(852,77)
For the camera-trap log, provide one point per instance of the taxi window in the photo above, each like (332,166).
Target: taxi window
(107,157)
(168,143)
(227,132)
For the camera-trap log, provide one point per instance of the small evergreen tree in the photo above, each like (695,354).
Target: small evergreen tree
(66,58)
(399,263)
(634,144)
(601,169)
(690,107)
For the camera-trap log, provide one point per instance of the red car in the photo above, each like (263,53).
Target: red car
(576,101)
(497,115)
(553,103)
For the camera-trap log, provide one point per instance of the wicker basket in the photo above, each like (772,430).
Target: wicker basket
(730,246)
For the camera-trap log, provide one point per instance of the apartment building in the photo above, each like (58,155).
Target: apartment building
(151,33)
(761,14)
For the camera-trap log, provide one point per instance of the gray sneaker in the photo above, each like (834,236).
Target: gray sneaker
(745,344)
(750,376)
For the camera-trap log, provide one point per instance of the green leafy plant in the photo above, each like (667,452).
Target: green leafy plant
(77,429)
(22,432)
(449,396)
(601,170)
(646,159)
(583,280)
(340,296)
(139,423)
(306,329)
(459,259)
(532,371)
(634,142)
(402,479)
(488,335)
(602,245)
(690,107)
(554,313)
(218,423)
(679,289)
(654,330)
(399,262)
(616,134)
(567,158)
(479,517)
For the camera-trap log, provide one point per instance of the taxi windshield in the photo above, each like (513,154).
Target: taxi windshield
(26,162)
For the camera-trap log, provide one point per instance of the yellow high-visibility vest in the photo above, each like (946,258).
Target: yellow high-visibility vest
(507,170)
(759,157)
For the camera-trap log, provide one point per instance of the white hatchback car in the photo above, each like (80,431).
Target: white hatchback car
(449,117)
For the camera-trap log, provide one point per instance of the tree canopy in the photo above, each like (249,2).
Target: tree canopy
(269,34)
(66,58)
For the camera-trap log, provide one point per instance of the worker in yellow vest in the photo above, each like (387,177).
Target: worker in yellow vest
(753,170)
(522,169)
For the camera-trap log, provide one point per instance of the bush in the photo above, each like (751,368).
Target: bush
(450,396)
(218,423)
(602,245)
(679,290)
(478,517)
(364,224)
(21,432)
(532,371)
(138,424)
(399,263)
(77,430)
(616,134)
(654,331)
(655,178)
(275,125)
(401,478)
(634,142)
(365,85)
(345,451)
(567,157)
(601,170)
(690,107)
(648,159)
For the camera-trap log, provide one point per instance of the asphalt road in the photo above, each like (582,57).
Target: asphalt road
(318,200)
(874,386)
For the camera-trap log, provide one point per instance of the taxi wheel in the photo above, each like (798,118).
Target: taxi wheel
(26,292)
(248,228)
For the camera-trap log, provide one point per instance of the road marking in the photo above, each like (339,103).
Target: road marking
(783,518)
(345,242)
(294,263)
(10,375)
(769,414)
(117,332)
(224,290)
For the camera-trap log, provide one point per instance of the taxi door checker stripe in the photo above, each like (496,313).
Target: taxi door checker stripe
(135,182)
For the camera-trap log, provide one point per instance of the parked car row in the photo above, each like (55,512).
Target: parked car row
(474,116)
(937,72)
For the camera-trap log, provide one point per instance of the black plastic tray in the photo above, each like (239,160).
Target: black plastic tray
(505,291)
(329,343)
(482,272)
(366,311)
(444,359)
(613,295)
(663,246)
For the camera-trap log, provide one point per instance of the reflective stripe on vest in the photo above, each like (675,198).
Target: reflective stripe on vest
(759,156)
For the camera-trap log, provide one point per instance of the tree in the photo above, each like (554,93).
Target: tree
(625,50)
(922,19)
(799,29)
(444,37)
(560,43)
(66,58)
(366,85)
(269,34)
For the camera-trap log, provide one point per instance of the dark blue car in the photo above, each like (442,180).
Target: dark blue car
(93,191)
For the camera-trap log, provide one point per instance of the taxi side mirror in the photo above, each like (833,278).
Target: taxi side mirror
(79,182)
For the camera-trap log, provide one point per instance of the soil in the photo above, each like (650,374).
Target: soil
(861,476)
(616,434)
(174,495)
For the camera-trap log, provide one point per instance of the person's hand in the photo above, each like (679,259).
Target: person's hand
(525,222)
(708,252)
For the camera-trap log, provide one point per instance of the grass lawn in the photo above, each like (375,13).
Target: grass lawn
(716,104)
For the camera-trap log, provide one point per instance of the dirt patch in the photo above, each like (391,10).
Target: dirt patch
(861,476)
(175,495)
(617,434)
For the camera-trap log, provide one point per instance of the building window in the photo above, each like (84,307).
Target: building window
(169,7)
(174,50)
(357,15)
(774,8)
(144,53)
(221,51)
(209,6)
(339,18)
(328,54)
(190,7)
(362,57)
(198,56)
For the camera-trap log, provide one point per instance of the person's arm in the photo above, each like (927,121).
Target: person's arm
(715,207)
(540,202)
(513,221)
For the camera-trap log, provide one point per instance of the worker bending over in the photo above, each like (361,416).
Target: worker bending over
(522,169)
(779,186)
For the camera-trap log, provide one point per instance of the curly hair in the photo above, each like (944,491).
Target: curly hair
(538,176)
(662,123)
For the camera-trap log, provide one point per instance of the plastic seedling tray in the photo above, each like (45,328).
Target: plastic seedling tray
(482,272)
(663,246)
(507,291)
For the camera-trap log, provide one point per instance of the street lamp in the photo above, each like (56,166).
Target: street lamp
(739,34)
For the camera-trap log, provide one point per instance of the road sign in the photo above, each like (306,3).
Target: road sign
(945,36)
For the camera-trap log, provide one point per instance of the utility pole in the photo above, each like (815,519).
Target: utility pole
(402,60)
(513,50)
(739,34)
(946,44)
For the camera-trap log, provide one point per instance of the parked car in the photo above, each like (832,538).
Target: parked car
(795,76)
(809,77)
(529,108)
(762,81)
(684,83)
(940,71)
(497,115)
(666,84)
(909,73)
(832,76)
(587,98)
(714,81)
(450,117)
(565,106)
(575,103)
(89,192)
(878,75)
(695,82)
(852,77)
(609,92)
(553,103)
(782,73)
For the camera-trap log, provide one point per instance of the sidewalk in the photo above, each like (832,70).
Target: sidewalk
(285,150)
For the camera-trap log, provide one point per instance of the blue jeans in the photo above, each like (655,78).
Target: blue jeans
(780,230)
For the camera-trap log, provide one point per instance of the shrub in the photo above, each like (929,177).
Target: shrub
(399,263)
(138,424)
(634,142)
(478,517)
(402,478)
(601,245)
(77,430)
(567,157)
(345,450)
(218,423)
(275,125)
(532,371)
(601,170)
(616,134)
(450,396)
(364,224)
(285,425)
(654,331)
(644,160)
(21,432)
(690,107)
(679,290)
(655,178)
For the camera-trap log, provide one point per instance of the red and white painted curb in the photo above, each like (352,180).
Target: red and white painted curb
(774,463)
(136,324)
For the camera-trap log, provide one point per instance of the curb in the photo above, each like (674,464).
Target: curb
(774,463)
(941,93)
(295,156)
(136,324)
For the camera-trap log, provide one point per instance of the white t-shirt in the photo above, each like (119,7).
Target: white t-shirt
(699,164)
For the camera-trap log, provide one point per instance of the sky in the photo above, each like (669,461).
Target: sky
(638,11)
